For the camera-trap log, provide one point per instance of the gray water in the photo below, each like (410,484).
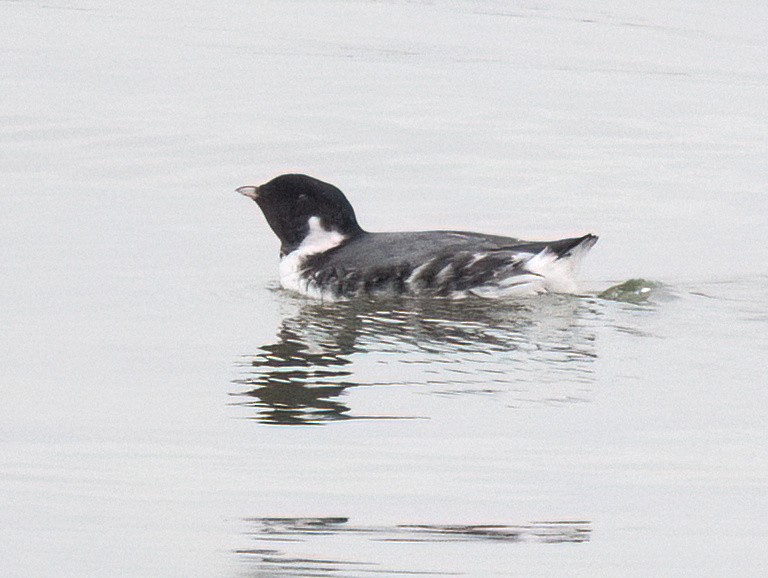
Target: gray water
(167,411)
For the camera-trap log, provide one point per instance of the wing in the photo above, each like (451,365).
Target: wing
(434,263)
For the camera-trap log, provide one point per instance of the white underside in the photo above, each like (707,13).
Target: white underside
(317,241)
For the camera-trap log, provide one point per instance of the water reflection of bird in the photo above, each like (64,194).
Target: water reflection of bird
(273,538)
(323,349)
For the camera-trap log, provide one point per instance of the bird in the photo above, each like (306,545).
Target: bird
(325,254)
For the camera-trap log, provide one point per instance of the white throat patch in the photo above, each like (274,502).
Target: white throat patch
(318,240)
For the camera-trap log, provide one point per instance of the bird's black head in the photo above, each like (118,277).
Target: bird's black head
(289,201)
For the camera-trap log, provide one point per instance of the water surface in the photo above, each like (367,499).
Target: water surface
(166,411)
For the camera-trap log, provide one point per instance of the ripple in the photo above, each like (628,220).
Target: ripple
(317,531)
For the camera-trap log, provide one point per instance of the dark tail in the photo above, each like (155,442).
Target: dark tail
(562,247)
(566,247)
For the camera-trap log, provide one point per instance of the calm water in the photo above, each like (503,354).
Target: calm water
(166,411)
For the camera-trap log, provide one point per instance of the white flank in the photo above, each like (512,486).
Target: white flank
(548,274)
(318,240)
(558,275)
